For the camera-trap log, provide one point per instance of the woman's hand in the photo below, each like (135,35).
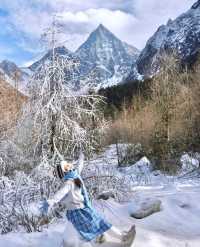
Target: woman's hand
(43,207)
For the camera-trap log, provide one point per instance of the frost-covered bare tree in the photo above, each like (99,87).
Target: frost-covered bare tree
(65,121)
(56,123)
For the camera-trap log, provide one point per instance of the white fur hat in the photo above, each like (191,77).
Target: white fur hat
(66,166)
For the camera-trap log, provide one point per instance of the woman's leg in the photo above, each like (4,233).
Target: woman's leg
(122,236)
(115,233)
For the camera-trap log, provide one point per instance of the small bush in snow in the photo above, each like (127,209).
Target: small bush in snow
(128,154)
(168,166)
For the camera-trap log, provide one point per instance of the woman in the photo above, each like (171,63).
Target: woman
(89,224)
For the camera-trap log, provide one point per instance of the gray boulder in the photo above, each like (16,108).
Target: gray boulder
(145,208)
(106,195)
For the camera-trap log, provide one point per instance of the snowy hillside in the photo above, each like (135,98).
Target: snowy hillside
(181,35)
(170,226)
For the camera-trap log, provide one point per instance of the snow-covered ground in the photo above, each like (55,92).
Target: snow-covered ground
(176,225)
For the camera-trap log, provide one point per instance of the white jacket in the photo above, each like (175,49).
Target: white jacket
(69,196)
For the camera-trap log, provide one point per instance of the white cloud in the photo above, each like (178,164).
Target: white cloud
(153,13)
(133,21)
(77,24)
(84,22)
(80,5)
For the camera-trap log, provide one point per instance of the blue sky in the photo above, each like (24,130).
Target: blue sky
(134,21)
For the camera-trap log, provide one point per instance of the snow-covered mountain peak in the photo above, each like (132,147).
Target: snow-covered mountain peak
(105,58)
(102,29)
(9,67)
(169,21)
(101,40)
(196,5)
(60,51)
(102,33)
(181,35)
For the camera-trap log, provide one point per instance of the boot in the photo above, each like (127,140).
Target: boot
(129,237)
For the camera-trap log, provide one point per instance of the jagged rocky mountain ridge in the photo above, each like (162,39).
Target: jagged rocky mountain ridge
(71,76)
(61,51)
(181,35)
(103,60)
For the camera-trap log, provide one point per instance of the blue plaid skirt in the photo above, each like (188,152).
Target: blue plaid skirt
(88,222)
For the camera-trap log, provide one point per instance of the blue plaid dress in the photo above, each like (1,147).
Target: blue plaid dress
(86,220)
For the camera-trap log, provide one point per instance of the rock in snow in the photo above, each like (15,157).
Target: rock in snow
(106,195)
(145,208)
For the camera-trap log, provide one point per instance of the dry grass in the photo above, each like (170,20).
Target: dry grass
(167,123)
(11,102)
(133,126)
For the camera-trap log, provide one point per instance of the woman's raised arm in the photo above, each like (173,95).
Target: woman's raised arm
(58,198)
